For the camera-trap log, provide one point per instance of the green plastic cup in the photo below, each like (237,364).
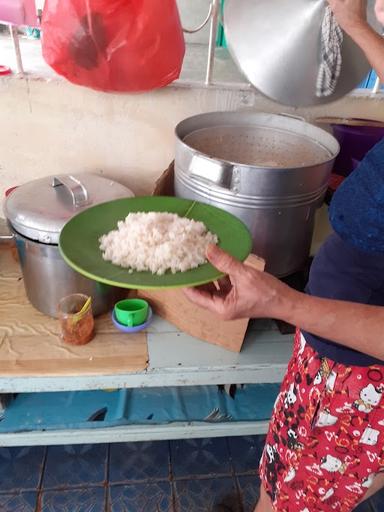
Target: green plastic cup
(131,312)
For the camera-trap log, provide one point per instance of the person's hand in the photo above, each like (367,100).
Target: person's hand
(379,11)
(350,14)
(245,293)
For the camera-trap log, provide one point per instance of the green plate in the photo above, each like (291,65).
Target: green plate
(79,241)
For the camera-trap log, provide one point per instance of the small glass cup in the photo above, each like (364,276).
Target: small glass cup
(76,328)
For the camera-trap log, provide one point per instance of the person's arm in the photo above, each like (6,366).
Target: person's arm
(356,326)
(254,294)
(351,15)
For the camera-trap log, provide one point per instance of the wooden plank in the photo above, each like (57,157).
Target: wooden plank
(30,343)
(349,121)
(164,186)
(46,355)
(133,433)
(173,306)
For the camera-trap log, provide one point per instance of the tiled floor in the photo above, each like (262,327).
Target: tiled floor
(176,476)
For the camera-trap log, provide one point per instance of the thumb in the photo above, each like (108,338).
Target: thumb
(222,260)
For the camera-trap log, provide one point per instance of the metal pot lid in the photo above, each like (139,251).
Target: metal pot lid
(277,45)
(39,209)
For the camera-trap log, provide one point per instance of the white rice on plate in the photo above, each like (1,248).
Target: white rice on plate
(157,242)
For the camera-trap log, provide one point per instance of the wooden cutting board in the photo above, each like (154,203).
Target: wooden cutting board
(173,306)
(30,344)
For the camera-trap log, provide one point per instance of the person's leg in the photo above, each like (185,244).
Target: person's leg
(378,483)
(264,503)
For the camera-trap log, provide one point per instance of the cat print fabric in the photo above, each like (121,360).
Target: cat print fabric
(326,437)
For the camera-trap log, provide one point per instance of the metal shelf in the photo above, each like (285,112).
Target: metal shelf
(134,433)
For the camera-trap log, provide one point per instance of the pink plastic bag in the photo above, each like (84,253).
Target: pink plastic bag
(114,45)
(18,12)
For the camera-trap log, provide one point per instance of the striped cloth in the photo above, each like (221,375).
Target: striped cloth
(330,58)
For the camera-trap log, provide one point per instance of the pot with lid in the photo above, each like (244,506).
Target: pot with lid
(36,213)
(269,170)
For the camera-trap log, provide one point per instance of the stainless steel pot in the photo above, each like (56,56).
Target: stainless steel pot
(271,171)
(47,278)
(36,212)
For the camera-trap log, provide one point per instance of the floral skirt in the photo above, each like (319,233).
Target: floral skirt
(326,437)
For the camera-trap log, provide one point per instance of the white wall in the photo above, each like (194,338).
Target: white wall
(193,13)
(50,127)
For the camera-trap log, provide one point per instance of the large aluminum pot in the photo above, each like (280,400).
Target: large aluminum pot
(277,45)
(36,212)
(271,171)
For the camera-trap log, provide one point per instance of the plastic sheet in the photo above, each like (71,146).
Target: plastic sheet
(114,45)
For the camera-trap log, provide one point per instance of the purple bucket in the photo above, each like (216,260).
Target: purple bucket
(355,142)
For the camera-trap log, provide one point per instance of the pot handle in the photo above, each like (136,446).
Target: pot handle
(74,186)
(213,172)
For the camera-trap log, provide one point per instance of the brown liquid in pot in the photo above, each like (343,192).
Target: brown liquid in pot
(258,147)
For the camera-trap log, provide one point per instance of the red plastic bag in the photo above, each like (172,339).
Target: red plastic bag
(114,45)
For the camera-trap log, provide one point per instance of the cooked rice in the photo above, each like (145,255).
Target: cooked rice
(157,242)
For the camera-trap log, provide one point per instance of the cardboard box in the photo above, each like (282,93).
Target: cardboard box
(173,306)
